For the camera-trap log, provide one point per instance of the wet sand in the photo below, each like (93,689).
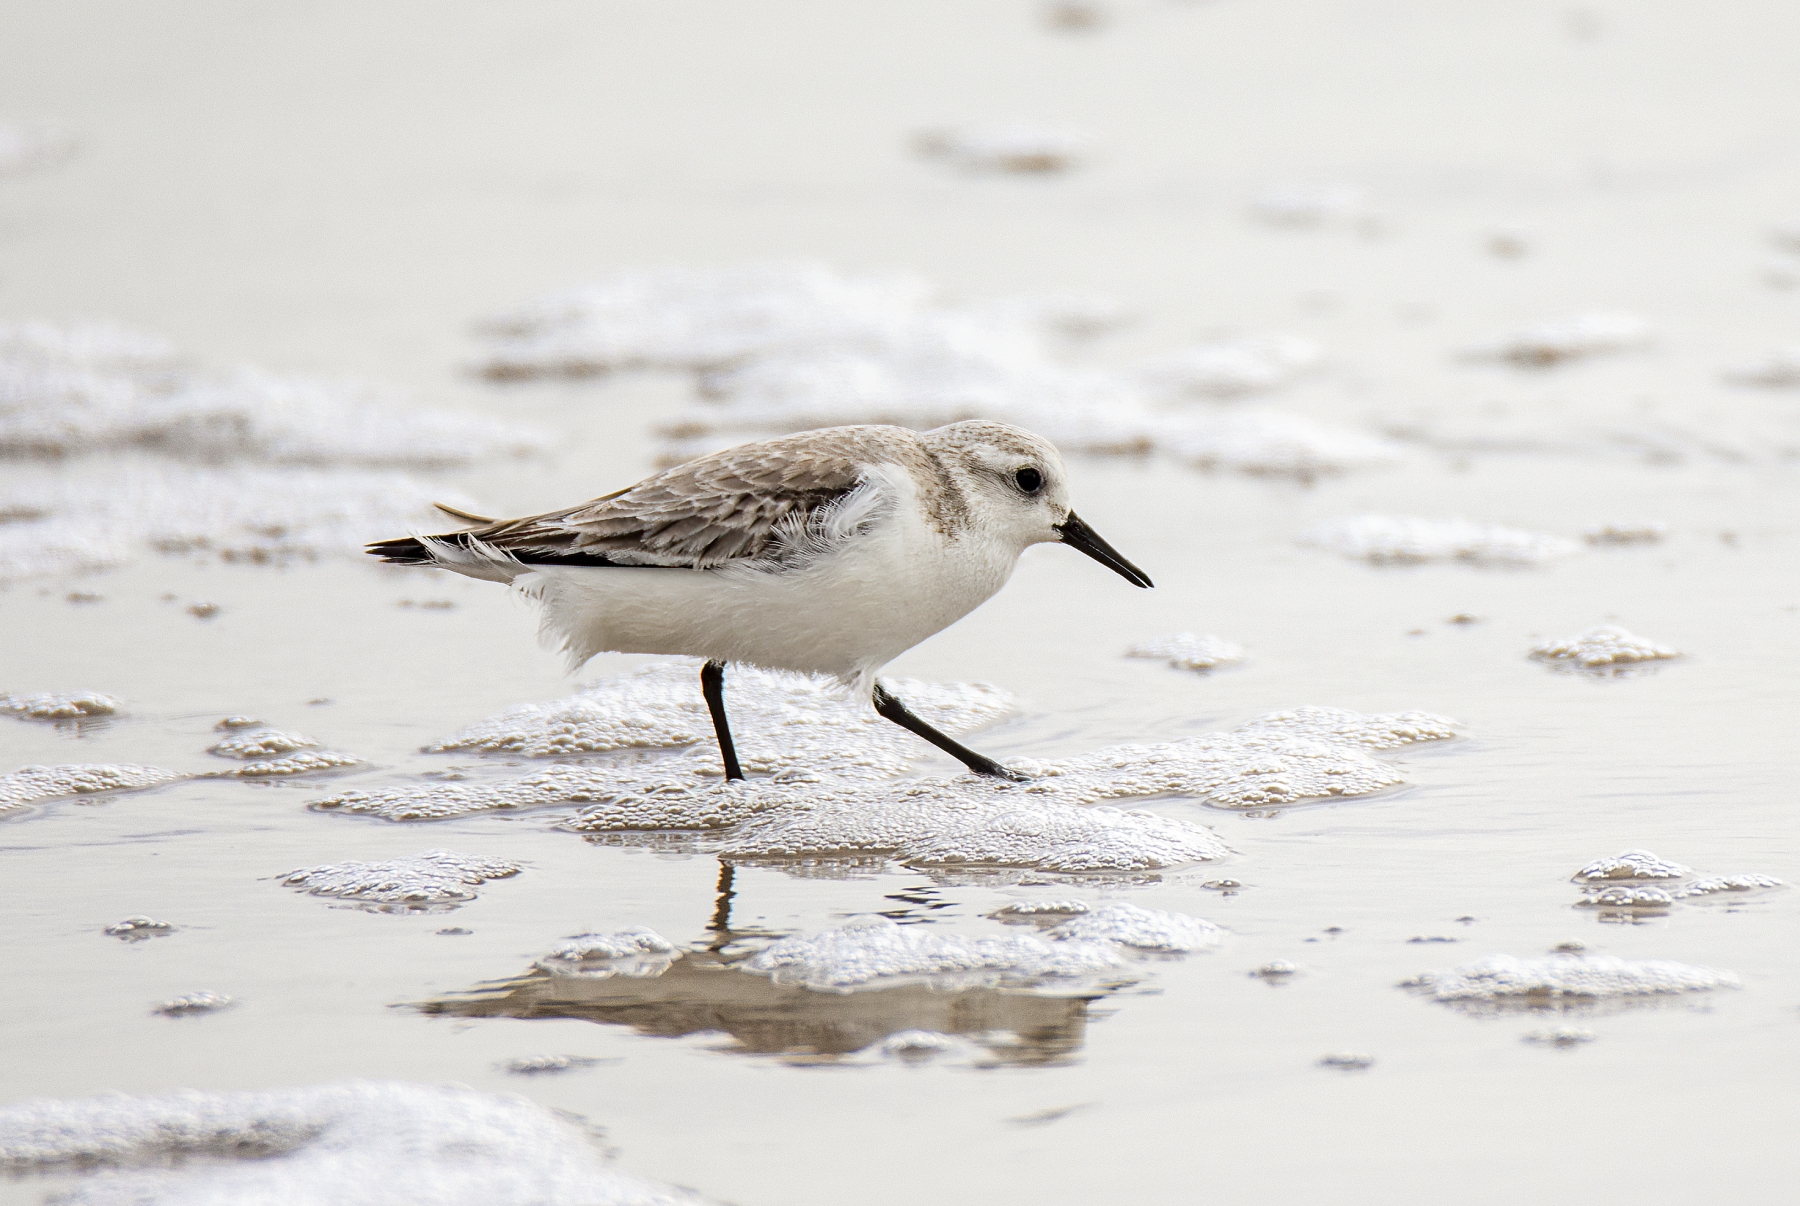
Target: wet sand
(340,192)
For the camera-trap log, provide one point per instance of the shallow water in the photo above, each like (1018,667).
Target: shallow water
(340,192)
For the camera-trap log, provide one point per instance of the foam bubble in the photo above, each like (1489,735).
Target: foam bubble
(1347,1061)
(136,929)
(32,784)
(875,950)
(1603,648)
(1714,884)
(356,1143)
(437,877)
(1560,1036)
(1251,365)
(1565,339)
(1039,910)
(302,762)
(268,743)
(1140,928)
(1400,540)
(537,1065)
(916,1046)
(1378,731)
(1636,881)
(637,952)
(1626,898)
(1186,651)
(60,705)
(1557,980)
(1630,864)
(1020,149)
(195,1003)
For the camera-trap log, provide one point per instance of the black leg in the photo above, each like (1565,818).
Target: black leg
(712,685)
(889,705)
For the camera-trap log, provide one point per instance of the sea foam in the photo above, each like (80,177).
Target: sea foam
(356,1143)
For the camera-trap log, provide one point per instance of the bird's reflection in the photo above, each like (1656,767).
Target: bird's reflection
(705,992)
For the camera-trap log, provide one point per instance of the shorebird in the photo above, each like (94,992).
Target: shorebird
(828,552)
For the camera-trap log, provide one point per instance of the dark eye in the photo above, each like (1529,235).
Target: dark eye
(1030,480)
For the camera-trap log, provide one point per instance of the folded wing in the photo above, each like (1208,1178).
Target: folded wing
(736,505)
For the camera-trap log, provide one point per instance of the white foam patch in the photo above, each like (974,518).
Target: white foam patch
(60,705)
(1631,864)
(194,1004)
(155,453)
(780,720)
(1033,910)
(1379,731)
(1273,444)
(1602,648)
(1250,365)
(790,347)
(357,1143)
(829,808)
(1557,979)
(1714,884)
(875,951)
(68,391)
(1186,651)
(434,878)
(133,929)
(33,784)
(266,743)
(1140,928)
(637,952)
(301,762)
(1023,149)
(100,512)
(679,318)
(1639,881)
(1565,339)
(1627,898)
(1400,540)
(962,824)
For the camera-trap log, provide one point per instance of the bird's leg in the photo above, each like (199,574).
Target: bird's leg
(712,685)
(889,705)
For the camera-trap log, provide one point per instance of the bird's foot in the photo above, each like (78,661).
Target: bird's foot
(993,770)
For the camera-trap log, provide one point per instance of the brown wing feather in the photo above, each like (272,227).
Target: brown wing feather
(727,506)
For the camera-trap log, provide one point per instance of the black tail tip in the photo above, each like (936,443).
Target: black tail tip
(405,550)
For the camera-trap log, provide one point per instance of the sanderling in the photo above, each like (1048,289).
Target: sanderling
(827,552)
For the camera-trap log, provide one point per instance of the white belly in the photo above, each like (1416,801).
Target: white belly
(847,615)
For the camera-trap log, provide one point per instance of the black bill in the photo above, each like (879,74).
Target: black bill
(1078,535)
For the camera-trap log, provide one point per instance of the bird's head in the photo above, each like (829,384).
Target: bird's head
(1019,489)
